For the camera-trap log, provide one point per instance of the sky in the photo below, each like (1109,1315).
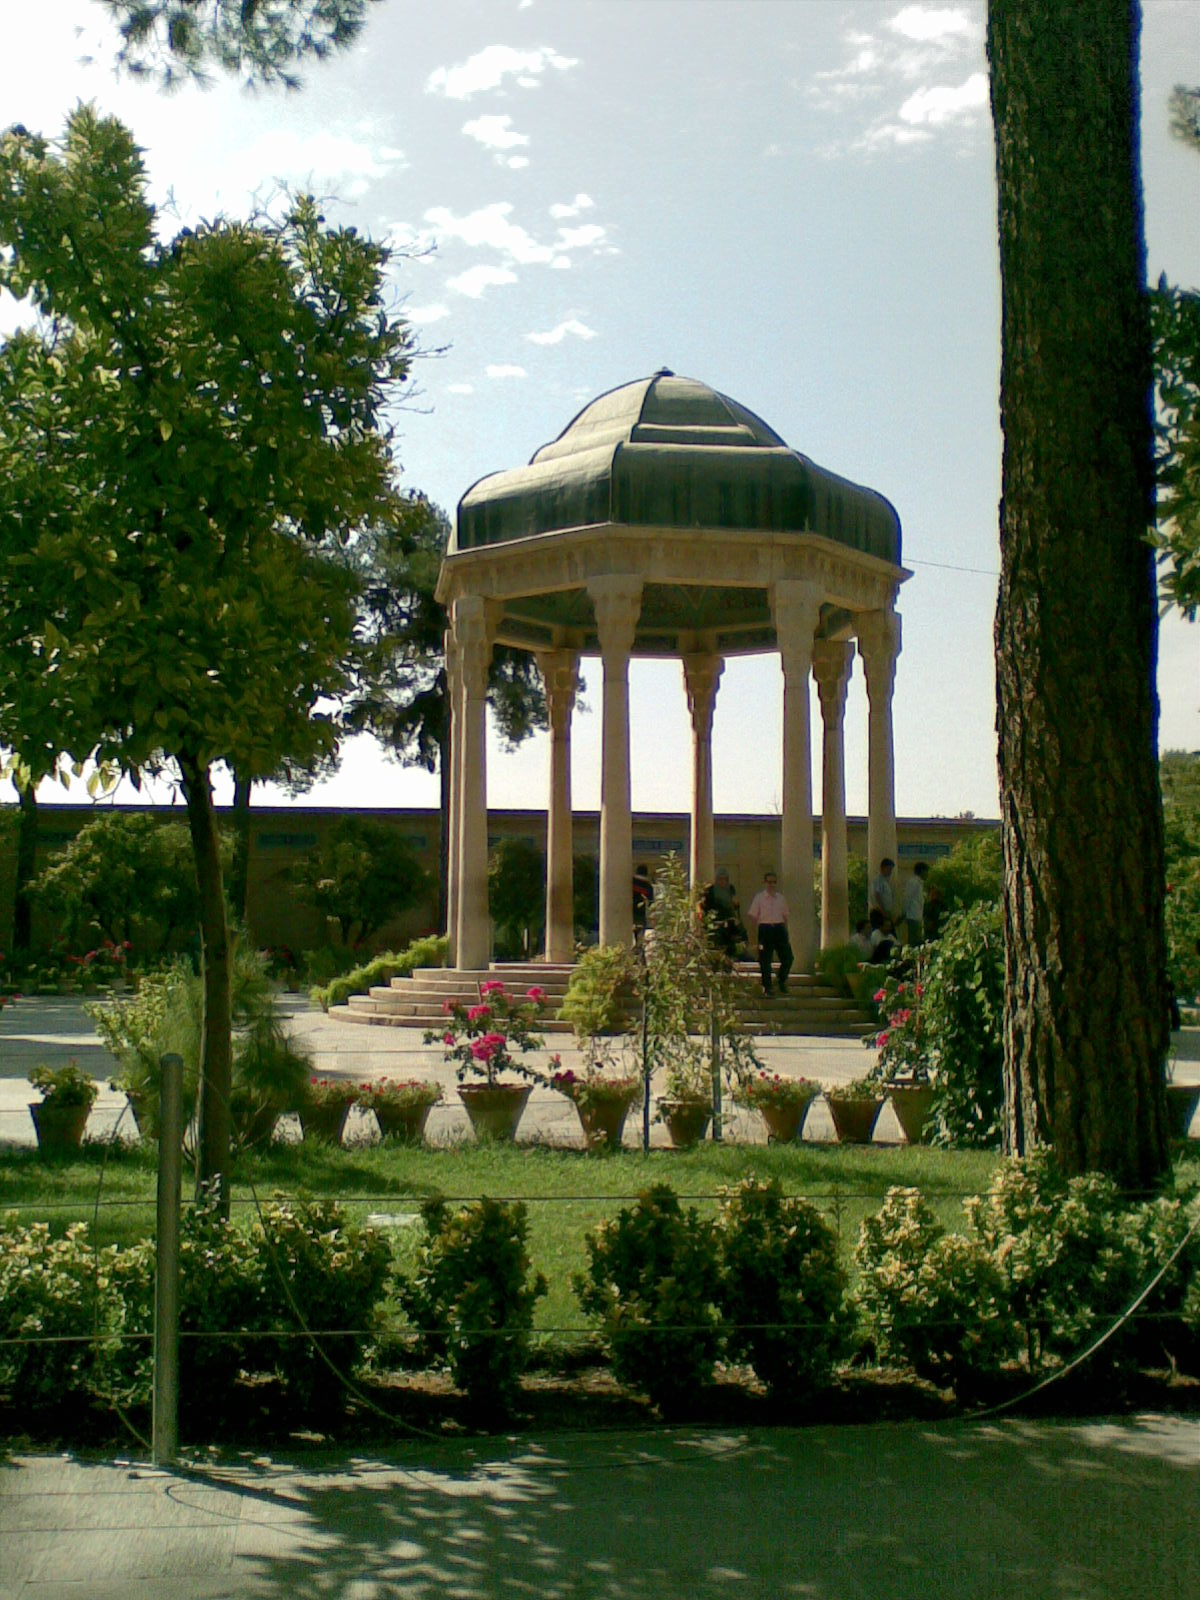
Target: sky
(790,200)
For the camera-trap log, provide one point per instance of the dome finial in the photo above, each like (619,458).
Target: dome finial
(664,372)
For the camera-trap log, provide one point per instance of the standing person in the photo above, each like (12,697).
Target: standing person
(912,906)
(882,896)
(720,907)
(769,913)
(643,897)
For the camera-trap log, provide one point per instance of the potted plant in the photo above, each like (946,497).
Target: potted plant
(854,1107)
(401,1106)
(902,1069)
(686,1105)
(481,1039)
(602,1099)
(60,1116)
(782,1103)
(325,1107)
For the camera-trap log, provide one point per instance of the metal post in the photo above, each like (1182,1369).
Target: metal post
(714,1045)
(165,1422)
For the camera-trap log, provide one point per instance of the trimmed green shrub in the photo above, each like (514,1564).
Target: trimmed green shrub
(600,995)
(429,951)
(782,1285)
(471,1299)
(653,1284)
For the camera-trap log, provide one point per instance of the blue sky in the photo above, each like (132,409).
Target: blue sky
(792,200)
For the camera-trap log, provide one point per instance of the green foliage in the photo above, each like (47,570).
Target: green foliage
(63,1086)
(933,1300)
(472,1298)
(362,873)
(1175,319)
(972,874)
(653,1284)
(902,1042)
(858,880)
(600,994)
(837,962)
(482,1037)
(782,1285)
(429,951)
(963,1011)
(1180,776)
(125,876)
(517,896)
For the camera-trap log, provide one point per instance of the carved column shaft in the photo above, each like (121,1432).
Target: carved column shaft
(797,610)
(617,603)
(560,677)
(701,676)
(832,661)
(879,646)
(473,638)
(454,759)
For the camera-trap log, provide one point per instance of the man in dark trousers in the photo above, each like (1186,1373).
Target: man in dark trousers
(769,913)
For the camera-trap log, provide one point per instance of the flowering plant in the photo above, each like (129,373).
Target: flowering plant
(325,1093)
(769,1089)
(593,1089)
(63,1086)
(902,1042)
(482,1038)
(858,1089)
(399,1094)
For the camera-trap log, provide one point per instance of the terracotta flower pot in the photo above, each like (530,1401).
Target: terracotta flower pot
(327,1122)
(687,1121)
(854,1119)
(912,1103)
(785,1121)
(495,1108)
(604,1123)
(59,1128)
(405,1123)
(1181,1108)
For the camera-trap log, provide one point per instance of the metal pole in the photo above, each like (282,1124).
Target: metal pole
(714,1045)
(165,1423)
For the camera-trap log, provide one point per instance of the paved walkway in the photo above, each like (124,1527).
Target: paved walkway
(969,1511)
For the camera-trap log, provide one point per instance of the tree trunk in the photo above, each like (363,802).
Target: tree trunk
(1076,629)
(240,869)
(216,1067)
(27,842)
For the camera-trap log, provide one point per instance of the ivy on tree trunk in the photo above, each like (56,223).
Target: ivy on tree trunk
(1076,630)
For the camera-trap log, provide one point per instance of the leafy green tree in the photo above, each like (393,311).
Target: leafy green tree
(1175,316)
(188,441)
(128,877)
(972,874)
(1181,816)
(1086,1005)
(363,873)
(517,894)
(259,41)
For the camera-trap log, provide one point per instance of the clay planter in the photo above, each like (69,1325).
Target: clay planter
(784,1122)
(405,1123)
(912,1103)
(854,1119)
(59,1128)
(326,1123)
(1181,1107)
(604,1124)
(687,1121)
(495,1108)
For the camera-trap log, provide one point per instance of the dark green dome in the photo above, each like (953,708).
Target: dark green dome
(670,452)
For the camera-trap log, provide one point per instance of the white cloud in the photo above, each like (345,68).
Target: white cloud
(581,202)
(927,24)
(430,313)
(556,335)
(491,227)
(505,370)
(940,104)
(475,280)
(322,161)
(488,68)
(495,133)
(588,233)
(515,162)
(881,135)
(460,388)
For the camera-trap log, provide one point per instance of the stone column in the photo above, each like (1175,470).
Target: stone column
(472,636)
(832,660)
(879,646)
(701,676)
(617,602)
(560,676)
(796,605)
(453,757)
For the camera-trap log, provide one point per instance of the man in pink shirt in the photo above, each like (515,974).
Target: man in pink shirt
(769,913)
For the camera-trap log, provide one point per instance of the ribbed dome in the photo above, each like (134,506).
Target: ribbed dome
(672,452)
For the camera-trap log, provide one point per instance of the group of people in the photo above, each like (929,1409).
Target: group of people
(879,935)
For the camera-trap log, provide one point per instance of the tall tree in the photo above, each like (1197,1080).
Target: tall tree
(1076,628)
(214,435)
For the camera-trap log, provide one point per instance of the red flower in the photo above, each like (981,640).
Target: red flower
(478,1013)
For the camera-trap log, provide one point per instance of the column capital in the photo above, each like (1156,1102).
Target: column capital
(832,660)
(879,643)
(472,625)
(701,675)
(617,604)
(796,608)
(560,681)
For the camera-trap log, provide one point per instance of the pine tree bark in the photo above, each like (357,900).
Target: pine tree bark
(216,1065)
(1076,625)
(239,874)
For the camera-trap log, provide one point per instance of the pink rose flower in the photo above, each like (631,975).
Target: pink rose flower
(478,1013)
(447,1038)
(535,994)
(493,986)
